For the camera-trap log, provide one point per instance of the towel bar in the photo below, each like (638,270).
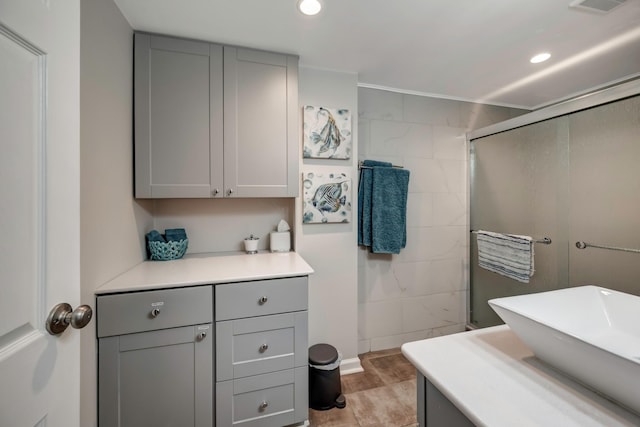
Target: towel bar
(361,166)
(584,245)
(544,240)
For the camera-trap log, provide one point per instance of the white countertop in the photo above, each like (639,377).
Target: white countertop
(199,269)
(495,380)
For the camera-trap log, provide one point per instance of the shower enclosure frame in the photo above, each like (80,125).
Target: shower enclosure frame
(597,98)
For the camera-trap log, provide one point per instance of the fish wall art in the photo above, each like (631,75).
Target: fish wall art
(326,197)
(326,133)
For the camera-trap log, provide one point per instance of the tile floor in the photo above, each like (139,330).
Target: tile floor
(383,395)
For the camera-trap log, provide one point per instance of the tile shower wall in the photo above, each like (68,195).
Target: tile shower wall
(422,292)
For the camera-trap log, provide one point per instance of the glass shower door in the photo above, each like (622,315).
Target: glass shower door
(519,185)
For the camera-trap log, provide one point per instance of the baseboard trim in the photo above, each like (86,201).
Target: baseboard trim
(350,366)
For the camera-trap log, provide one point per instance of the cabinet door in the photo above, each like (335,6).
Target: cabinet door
(178,117)
(260,123)
(157,378)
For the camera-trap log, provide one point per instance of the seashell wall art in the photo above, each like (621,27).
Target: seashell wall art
(326,197)
(326,133)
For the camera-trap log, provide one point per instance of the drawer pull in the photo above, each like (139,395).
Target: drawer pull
(263,405)
(263,348)
(262,300)
(155,312)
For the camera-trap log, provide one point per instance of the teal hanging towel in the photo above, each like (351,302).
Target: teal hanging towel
(382,207)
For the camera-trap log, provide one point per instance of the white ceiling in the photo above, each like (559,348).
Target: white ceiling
(475,50)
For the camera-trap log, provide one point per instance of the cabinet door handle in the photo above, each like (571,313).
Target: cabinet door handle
(263,348)
(155,312)
(202,335)
(230,191)
(263,405)
(215,191)
(262,300)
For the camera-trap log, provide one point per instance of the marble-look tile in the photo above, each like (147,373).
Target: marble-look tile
(417,336)
(363,138)
(379,104)
(429,277)
(455,175)
(420,209)
(433,311)
(433,111)
(436,176)
(428,243)
(400,139)
(378,282)
(389,406)
(449,209)
(449,143)
(380,318)
(448,330)
(382,343)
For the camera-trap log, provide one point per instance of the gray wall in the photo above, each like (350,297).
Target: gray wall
(112,223)
(421,292)
(331,248)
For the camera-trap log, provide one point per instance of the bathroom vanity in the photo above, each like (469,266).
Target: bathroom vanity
(204,341)
(488,377)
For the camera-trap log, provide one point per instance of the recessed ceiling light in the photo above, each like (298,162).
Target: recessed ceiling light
(309,7)
(541,57)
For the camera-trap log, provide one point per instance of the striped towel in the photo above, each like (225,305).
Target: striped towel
(506,254)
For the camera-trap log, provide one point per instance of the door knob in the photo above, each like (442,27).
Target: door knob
(61,316)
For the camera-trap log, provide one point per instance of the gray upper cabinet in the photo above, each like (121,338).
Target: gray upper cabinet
(260,123)
(178,117)
(213,121)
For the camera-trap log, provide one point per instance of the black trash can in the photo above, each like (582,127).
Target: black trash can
(325,390)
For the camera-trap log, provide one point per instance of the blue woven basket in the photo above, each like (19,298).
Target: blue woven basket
(165,251)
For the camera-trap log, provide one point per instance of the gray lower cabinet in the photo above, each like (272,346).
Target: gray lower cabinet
(434,409)
(160,355)
(155,358)
(213,121)
(261,353)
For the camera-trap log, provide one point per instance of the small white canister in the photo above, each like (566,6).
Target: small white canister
(251,244)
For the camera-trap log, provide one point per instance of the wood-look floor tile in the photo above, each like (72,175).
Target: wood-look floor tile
(333,417)
(360,381)
(394,368)
(379,353)
(383,395)
(388,406)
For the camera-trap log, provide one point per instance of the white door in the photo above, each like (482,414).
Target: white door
(39,210)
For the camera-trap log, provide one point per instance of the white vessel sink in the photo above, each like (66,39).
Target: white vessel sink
(588,332)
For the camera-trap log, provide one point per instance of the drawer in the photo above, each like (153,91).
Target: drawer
(260,298)
(145,311)
(258,345)
(269,400)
